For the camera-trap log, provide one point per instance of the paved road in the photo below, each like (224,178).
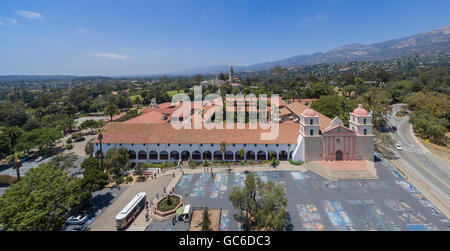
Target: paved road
(431,169)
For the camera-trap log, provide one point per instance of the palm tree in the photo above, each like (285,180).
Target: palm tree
(111,110)
(16,163)
(137,102)
(223,147)
(100,137)
(13,133)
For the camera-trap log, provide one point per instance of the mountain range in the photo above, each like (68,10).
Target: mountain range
(437,40)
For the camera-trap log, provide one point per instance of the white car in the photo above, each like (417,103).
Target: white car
(398,146)
(77,220)
(39,159)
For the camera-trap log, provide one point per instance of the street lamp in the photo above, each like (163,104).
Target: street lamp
(100,137)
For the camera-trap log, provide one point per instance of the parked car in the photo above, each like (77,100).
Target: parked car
(398,146)
(80,139)
(77,219)
(394,128)
(39,159)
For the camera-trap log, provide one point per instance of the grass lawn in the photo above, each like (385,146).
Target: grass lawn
(173,93)
(163,206)
(132,98)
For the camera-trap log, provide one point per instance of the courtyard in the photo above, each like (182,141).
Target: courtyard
(389,203)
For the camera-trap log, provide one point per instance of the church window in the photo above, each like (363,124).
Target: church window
(311,132)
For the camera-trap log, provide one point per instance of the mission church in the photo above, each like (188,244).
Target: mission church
(304,135)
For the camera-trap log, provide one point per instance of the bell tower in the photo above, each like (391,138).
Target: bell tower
(309,122)
(361,121)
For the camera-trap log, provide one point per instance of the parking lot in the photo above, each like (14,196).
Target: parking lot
(314,203)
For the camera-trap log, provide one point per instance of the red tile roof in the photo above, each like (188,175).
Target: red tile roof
(298,108)
(165,133)
(149,118)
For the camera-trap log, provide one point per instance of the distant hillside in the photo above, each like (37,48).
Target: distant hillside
(399,66)
(435,41)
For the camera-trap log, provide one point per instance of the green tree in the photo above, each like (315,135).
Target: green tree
(115,162)
(13,133)
(44,138)
(206,222)
(111,110)
(94,179)
(91,124)
(140,169)
(137,101)
(378,102)
(261,205)
(16,163)
(64,161)
(41,200)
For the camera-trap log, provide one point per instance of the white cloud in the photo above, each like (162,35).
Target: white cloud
(319,16)
(109,55)
(128,50)
(29,14)
(8,21)
(80,29)
(11,20)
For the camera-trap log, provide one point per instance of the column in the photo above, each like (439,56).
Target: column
(344,155)
(354,148)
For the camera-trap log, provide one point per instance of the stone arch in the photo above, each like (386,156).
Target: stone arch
(142,155)
(132,154)
(196,155)
(229,155)
(272,154)
(283,155)
(185,155)
(218,155)
(250,155)
(174,155)
(163,155)
(153,155)
(207,155)
(237,156)
(262,155)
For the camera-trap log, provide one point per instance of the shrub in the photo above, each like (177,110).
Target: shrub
(69,147)
(76,135)
(129,179)
(7,180)
(69,141)
(120,180)
(192,164)
(275,162)
(205,163)
(297,163)
(89,148)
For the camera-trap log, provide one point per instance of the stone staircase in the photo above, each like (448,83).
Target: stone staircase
(334,175)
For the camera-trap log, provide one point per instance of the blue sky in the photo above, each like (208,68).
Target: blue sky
(115,37)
